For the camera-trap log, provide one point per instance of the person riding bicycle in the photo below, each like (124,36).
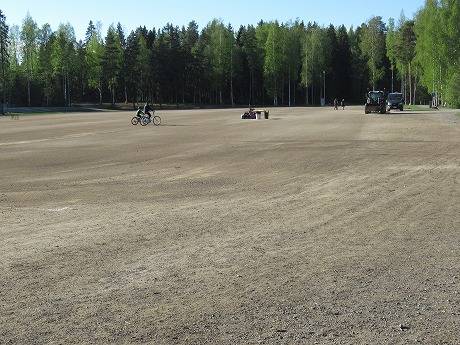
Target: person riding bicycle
(139,112)
(147,109)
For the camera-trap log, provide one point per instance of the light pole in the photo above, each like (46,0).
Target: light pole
(324,81)
(320,91)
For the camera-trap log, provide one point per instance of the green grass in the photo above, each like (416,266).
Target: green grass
(416,107)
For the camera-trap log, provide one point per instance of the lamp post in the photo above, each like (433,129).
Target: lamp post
(324,84)
(320,92)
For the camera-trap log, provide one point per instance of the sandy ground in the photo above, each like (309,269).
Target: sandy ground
(312,227)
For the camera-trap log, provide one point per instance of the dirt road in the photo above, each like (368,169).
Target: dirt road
(314,226)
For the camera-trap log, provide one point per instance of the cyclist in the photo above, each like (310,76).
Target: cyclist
(147,109)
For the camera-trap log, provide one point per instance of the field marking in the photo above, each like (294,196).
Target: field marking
(76,135)
(55,209)
(427,167)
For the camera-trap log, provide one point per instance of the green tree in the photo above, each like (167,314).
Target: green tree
(391,48)
(292,33)
(112,61)
(274,61)
(359,68)
(232,53)
(143,62)
(200,52)
(333,66)
(320,60)
(251,82)
(63,59)
(306,56)
(175,68)
(270,63)
(453,91)
(45,67)
(405,49)
(14,76)
(373,47)
(94,60)
(219,51)
(121,79)
(91,30)
(4,55)
(29,40)
(450,16)
(190,37)
(131,68)
(428,51)
(343,65)
(450,21)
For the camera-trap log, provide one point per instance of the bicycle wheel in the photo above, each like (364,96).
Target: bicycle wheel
(134,120)
(144,121)
(156,120)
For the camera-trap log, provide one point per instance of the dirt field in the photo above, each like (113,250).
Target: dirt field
(312,227)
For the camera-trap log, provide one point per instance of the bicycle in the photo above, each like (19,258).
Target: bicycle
(144,119)
(155,119)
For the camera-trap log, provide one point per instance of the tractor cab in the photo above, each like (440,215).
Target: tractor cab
(375,102)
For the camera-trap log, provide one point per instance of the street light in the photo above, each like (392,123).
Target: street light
(324,81)
(320,92)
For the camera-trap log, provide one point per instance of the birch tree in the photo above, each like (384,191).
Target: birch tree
(4,56)
(274,61)
(45,67)
(428,53)
(373,47)
(390,48)
(63,59)
(29,39)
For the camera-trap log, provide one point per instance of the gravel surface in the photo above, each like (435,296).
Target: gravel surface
(314,226)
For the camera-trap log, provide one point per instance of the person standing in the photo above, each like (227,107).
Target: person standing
(336,102)
(343,104)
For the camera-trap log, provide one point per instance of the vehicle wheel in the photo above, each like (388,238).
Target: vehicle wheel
(144,121)
(134,120)
(156,120)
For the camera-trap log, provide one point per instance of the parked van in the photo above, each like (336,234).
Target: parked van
(395,100)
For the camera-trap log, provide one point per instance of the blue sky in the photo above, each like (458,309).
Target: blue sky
(156,14)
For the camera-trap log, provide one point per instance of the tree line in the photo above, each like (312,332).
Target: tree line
(271,63)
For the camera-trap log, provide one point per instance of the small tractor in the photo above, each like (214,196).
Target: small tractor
(375,102)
